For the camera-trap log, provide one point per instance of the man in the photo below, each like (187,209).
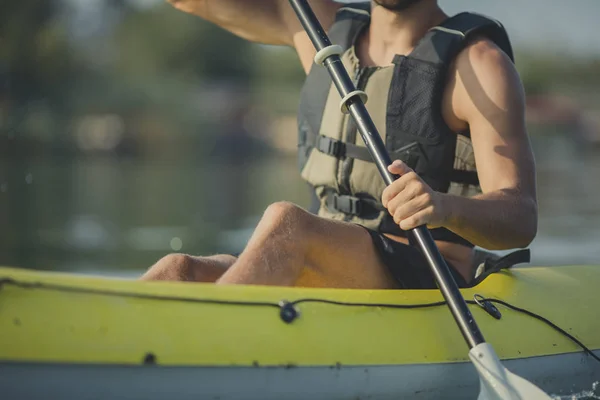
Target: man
(446,97)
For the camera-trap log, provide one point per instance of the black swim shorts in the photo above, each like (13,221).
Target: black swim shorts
(407,264)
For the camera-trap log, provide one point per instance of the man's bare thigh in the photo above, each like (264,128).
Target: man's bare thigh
(343,256)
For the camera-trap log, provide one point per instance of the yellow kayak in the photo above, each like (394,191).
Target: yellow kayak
(82,337)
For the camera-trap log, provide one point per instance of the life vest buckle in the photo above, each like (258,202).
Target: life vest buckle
(347,204)
(330,146)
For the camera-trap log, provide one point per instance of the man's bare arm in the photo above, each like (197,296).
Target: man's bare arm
(262,21)
(489,97)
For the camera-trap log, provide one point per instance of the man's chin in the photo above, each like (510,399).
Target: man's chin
(396,5)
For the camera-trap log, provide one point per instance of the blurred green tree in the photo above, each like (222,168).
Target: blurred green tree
(34,51)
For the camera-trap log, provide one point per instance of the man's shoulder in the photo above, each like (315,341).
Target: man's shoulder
(484,61)
(483,79)
(482,51)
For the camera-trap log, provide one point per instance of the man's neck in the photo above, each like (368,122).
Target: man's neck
(397,32)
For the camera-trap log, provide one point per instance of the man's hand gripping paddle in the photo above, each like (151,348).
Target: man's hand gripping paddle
(497,382)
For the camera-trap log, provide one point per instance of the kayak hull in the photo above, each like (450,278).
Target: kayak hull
(558,375)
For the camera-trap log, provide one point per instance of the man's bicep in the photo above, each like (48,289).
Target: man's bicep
(504,160)
(492,103)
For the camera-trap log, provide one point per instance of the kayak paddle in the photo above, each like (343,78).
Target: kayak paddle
(497,383)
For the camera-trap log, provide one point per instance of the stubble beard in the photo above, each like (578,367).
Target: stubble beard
(396,5)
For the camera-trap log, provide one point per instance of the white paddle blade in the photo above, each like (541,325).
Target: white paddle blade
(498,383)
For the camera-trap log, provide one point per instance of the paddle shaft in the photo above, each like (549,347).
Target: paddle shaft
(372,139)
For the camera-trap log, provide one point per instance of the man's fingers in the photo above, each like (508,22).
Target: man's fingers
(408,193)
(399,168)
(406,176)
(421,218)
(412,206)
(408,199)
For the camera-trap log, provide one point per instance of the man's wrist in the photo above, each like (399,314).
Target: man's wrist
(448,207)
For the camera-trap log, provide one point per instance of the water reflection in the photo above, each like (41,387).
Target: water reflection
(114,215)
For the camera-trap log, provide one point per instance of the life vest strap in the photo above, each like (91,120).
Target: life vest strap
(340,150)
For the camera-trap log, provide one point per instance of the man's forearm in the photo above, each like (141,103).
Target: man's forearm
(497,220)
(263,21)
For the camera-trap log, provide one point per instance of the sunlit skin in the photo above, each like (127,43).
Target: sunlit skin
(483,94)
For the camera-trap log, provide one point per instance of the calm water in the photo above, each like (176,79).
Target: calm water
(111,216)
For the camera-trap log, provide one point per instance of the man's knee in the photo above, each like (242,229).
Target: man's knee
(297,227)
(171,267)
(176,260)
(288,214)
